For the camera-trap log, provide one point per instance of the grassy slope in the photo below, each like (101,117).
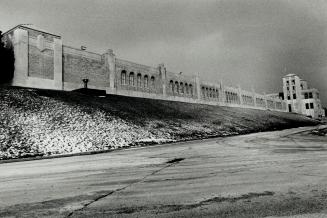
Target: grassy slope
(46,122)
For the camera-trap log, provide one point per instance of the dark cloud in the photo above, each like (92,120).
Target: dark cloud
(247,42)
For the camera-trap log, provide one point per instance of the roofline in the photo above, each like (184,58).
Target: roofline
(310,90)
(290,75)
(25,27)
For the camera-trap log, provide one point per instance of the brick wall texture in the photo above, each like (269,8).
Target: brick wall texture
(40,63)
(76,68)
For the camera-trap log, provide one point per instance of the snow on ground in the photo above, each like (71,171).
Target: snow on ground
(36,122)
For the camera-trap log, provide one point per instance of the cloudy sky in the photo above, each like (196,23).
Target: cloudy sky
(246,42)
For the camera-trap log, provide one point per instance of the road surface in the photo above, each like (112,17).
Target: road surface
(268,174)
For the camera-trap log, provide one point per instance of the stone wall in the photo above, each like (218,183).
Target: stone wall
(43,62)
(180,85)
(133,77)
(79,65)
(40,58)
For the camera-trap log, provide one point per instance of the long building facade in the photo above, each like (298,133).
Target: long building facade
(43,61)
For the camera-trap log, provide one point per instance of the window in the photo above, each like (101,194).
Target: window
(171,86)
(306,105)
(317,95)
(302,86)
(287,82)
(131,79)
(191,89)
(176,87)
(311,105)
(306,96)
(123,77)
(181,87)
(310,95)
(288,88)
(186,88)
(294,96)
(288,97)
(146,81)
(152,81)
(293,87)
(293,82)
(139,77)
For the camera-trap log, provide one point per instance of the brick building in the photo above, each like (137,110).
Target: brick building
(43,61)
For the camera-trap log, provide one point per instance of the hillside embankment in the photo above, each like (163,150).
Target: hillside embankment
(45,122)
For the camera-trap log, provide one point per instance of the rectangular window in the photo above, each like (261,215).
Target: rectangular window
(306,105)
(310,95)
(288,88)
(293,87)
(306,96)
(294,96)
(293,82)
(311,105)
(289,97)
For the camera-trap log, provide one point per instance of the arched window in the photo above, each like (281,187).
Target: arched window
(146,81)
(123,77)
(176,87)
(171,86)
(152,81)
(131,78)
(181,88)
(138,80)
(191,89)
(186,88)
(203,92)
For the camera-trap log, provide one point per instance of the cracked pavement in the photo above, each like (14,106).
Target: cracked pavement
(281,173)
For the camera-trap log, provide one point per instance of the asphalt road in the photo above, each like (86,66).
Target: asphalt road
(279,173)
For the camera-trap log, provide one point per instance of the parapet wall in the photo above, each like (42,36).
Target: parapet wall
(43,62)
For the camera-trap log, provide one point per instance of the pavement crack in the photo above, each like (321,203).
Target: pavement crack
(169,164)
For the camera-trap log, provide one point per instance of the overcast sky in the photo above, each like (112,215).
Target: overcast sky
(246,42)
